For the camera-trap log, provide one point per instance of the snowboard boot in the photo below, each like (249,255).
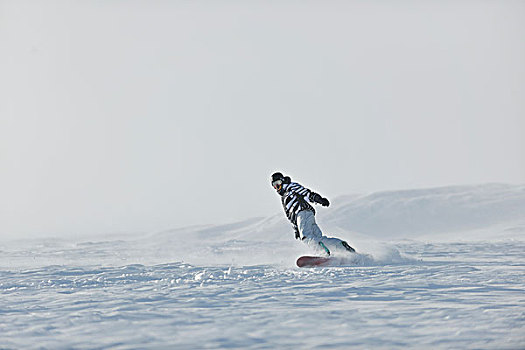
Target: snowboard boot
(324,247)
(347,247)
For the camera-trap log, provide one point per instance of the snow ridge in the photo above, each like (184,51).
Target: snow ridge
(368,222)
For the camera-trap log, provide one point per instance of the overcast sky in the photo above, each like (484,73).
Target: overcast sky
(137,116)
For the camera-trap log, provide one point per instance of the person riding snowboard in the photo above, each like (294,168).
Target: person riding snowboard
(301,214)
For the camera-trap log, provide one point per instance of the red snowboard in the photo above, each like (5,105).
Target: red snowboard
(312,261)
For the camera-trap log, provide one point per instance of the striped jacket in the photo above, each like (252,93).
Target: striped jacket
(294,199)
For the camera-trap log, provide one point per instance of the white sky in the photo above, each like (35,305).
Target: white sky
(135,116)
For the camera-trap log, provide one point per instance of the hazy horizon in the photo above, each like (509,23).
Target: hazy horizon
(141,116)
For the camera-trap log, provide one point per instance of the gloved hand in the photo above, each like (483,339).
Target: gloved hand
(315,197)
(324,202)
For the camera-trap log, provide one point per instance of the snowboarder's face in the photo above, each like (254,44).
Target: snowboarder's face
(278,185)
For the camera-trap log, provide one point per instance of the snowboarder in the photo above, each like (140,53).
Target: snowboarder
(301,214)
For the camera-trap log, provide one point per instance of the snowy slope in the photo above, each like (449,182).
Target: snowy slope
(471,213)
(438,268)
(396,215)
(427,212)
(371,223)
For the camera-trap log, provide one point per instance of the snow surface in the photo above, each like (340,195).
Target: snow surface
(437,268)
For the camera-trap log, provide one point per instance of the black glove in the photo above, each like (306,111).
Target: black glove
(324,202)
(318,199)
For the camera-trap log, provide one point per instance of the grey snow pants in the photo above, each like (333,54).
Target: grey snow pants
(311,233)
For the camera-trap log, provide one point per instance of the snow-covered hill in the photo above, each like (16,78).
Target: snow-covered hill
(459,213)
(372,223)
(408,214)
(424,212)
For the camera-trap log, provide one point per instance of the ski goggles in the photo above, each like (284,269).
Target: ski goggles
(277,184)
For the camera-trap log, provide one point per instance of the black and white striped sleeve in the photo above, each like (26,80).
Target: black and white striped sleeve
(300,190)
